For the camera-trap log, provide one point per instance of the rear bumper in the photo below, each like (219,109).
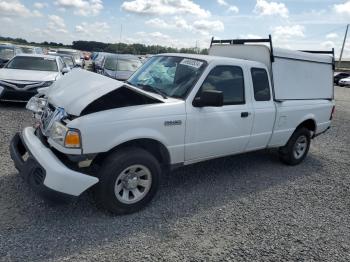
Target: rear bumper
(44,171)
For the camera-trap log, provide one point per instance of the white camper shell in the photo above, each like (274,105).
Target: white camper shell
(296,75)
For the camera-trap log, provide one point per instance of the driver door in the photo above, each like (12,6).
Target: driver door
(218,131)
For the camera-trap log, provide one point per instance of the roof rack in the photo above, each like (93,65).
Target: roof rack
(266,40)
(322,52)
(245,41)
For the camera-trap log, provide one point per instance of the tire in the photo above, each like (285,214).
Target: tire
(295,151)
(129,179)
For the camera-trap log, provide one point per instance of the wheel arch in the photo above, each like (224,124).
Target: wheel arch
(153,146)
(308,123)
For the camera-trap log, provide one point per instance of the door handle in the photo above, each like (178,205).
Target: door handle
(245,114)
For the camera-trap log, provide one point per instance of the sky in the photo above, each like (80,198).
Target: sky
(294,24)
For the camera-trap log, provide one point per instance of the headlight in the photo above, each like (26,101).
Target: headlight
(58,132)
(65,136)
(36,104)
(47,83)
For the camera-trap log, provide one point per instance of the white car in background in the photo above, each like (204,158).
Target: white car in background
(344,82)
(24,74)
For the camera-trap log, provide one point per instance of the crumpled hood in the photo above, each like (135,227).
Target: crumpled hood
(77,89)
(27,75)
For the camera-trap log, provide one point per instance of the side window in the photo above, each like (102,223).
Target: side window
(229,80)
(261,84)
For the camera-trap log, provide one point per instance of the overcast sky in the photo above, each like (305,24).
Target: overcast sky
(297,24)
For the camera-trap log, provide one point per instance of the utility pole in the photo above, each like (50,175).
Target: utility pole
(120,36)
(121,32)
(342,49)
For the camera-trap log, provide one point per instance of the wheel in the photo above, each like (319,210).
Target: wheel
(297,147)
(129,179)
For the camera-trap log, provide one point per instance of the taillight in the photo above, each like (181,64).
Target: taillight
(333,111)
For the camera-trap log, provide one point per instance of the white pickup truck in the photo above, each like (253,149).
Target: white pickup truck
(117,138)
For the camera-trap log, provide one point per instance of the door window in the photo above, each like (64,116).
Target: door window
(261,84)
(229,80)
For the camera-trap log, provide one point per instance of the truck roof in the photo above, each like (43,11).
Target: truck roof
(210,58)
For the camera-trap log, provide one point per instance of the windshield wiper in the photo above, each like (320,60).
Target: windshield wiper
(152,88)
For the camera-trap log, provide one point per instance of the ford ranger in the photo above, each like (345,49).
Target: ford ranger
(118,138)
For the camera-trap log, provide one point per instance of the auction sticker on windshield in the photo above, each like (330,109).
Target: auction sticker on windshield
(191,62)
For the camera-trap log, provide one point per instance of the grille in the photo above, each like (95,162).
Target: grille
(21,86)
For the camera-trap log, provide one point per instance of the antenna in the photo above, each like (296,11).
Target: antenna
(342,49)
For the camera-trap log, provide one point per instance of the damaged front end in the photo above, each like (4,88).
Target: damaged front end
(52,122)
(121,97)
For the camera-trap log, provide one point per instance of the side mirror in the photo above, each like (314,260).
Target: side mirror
(65,70)
(209,98)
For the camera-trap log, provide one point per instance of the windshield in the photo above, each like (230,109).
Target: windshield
(28,50)
(121,64)
(66,52)
(173,76)
(68,61)
(33,63)
(6,52)
(128,65)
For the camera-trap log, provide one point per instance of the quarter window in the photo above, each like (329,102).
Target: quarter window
(261,84)
(229,80)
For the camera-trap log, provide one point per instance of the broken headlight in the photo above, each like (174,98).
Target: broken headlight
(36,104)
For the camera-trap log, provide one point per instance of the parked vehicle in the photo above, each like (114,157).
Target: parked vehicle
(76,54)
(177,109)
(7,52)
(120,67)
(98,61)
(339,76)
(32,50)
(344,82)
(68,60)
(24,74)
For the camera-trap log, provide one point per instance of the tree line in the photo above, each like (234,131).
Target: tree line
(120,48)
(137,49)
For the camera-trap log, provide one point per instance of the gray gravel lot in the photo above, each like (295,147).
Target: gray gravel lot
(241,208)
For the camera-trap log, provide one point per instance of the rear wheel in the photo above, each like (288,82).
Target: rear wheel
(297,147)
(129,180)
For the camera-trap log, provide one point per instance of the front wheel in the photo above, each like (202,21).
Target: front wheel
(297,147)
(129,180)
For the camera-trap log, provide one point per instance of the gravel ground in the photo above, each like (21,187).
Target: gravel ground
(242,208)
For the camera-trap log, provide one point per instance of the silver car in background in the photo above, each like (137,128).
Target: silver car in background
(120,67)
(32,50)
(79,61)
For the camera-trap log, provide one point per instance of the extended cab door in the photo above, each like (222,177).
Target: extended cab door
(217,131)
(264,112)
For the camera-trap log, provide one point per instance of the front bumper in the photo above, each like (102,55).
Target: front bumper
(14,95)
(44,171)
